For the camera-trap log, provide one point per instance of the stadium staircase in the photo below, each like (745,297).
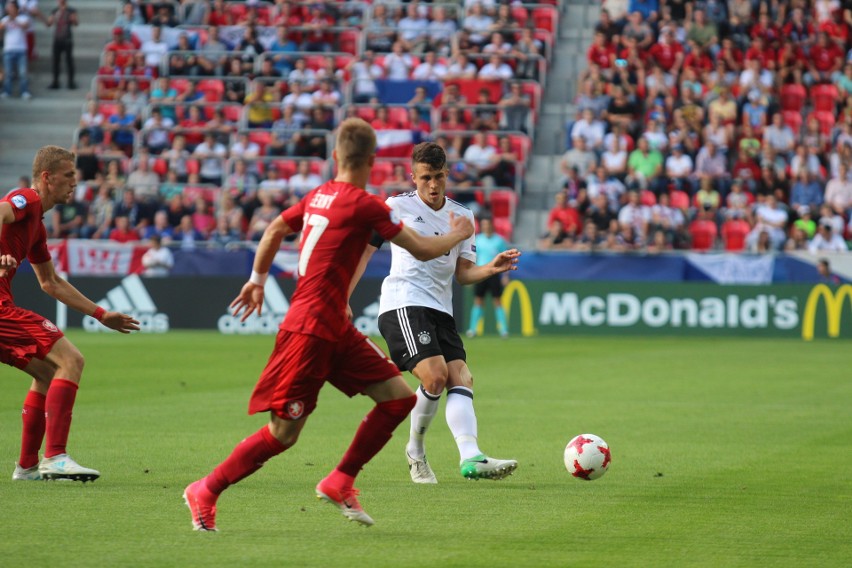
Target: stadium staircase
(52,116)
(576,29)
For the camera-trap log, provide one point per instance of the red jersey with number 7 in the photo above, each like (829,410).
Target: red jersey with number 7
(337,220)
(25,237)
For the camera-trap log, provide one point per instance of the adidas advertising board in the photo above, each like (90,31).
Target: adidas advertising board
(184,302)
(132,298)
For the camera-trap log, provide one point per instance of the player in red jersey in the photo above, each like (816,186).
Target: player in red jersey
(31,342)
(317,342)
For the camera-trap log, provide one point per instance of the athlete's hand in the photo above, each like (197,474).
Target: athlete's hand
(250,299)
(505,261)
(349,312)
(120,322)
(7,261)
(461,225)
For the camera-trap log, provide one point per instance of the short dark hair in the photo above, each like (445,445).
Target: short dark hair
(430,154)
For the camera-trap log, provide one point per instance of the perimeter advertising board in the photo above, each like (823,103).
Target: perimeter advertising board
(532,307)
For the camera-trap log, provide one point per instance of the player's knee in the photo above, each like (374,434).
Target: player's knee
(398,408)
(435,383)
(285,435)
(71,366)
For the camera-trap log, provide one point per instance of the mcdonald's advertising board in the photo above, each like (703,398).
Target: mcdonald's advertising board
(618,308)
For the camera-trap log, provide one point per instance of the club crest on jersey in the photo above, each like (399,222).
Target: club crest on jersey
(48,325)
(19,201)
(295,409)
(424,338)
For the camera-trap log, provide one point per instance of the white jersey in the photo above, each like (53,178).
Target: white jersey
(429,284)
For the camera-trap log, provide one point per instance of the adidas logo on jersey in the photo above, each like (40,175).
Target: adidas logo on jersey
(131,297)
(275,307)
(419,219)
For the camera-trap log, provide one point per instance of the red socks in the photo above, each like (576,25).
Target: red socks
(32,434)
(60,402)
(248,457)
(375,431)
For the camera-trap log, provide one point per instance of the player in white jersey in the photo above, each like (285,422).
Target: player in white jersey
(416,318)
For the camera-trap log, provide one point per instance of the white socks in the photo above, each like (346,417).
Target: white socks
(422,414)
(461,419)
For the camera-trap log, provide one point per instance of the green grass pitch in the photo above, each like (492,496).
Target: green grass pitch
(725,453)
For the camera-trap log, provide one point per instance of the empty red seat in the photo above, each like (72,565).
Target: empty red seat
(503,227)
(679,199)
(503,202)
(793,97)
(824,98)
(734,233)
(703,233)
(381,171)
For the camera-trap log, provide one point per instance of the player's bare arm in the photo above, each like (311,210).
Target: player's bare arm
(250,298)
(427,248)
(60,289)
(468,272)
(7,261)
(368,253)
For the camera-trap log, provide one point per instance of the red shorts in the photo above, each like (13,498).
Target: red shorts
(24,335)
(301,364)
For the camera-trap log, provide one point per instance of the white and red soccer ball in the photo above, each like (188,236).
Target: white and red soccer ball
(587,457)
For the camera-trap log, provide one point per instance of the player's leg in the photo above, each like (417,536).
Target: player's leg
(412,339)
(33,420)
(461,418)
(247,457)
(394,400)
(59,405)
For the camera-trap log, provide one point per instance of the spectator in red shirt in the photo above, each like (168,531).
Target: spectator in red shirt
(824,59)
(763,53)
(667,52)
(601,52)
(122,48)
(123,233)
(766,29)
(565,214)
(799,31)
(790,64)
(731,55)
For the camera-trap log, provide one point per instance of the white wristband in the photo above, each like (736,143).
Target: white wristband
(258,279)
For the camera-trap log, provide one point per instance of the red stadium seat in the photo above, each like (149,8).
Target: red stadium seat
(261,138)
(679,199)
(503,227)
(545,18)
(381,171)
(793,119)
(826,121)
(824,98)
(192,166)
(160,167)
(793,97)
(520,15)
(734,233)
(399,115)
(647,197)
(286,168)
(348,41)
(213,89)
(232,113)
(503,203)
(703,233)
(180,85)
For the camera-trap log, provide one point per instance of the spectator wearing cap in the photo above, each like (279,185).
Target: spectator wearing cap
(827,240)
(121,46)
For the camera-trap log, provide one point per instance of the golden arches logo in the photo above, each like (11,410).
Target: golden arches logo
(833,309)
(524,304)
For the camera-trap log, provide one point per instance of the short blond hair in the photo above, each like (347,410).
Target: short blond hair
(355,144)
(50,159)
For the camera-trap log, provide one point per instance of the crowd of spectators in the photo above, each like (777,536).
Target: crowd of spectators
(207,118)
(711,125)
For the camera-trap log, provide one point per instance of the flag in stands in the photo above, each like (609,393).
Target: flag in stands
(396,143)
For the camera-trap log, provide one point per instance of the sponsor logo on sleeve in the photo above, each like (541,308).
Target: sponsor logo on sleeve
(19,201)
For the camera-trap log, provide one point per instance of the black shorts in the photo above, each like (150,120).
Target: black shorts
(492,285)
(414,333)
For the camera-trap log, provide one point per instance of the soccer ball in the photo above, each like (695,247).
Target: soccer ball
(587,457)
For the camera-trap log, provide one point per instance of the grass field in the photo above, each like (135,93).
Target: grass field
(725,453)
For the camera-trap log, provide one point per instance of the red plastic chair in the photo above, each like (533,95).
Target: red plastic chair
(793,97)
(647,198)
(703,233)
(793,119)
(679,199)
(381,171)
(503,227)
(520,15)
(213,89)
(734,233)
(824,98)
(826,121)
(545,18)
(503,204)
